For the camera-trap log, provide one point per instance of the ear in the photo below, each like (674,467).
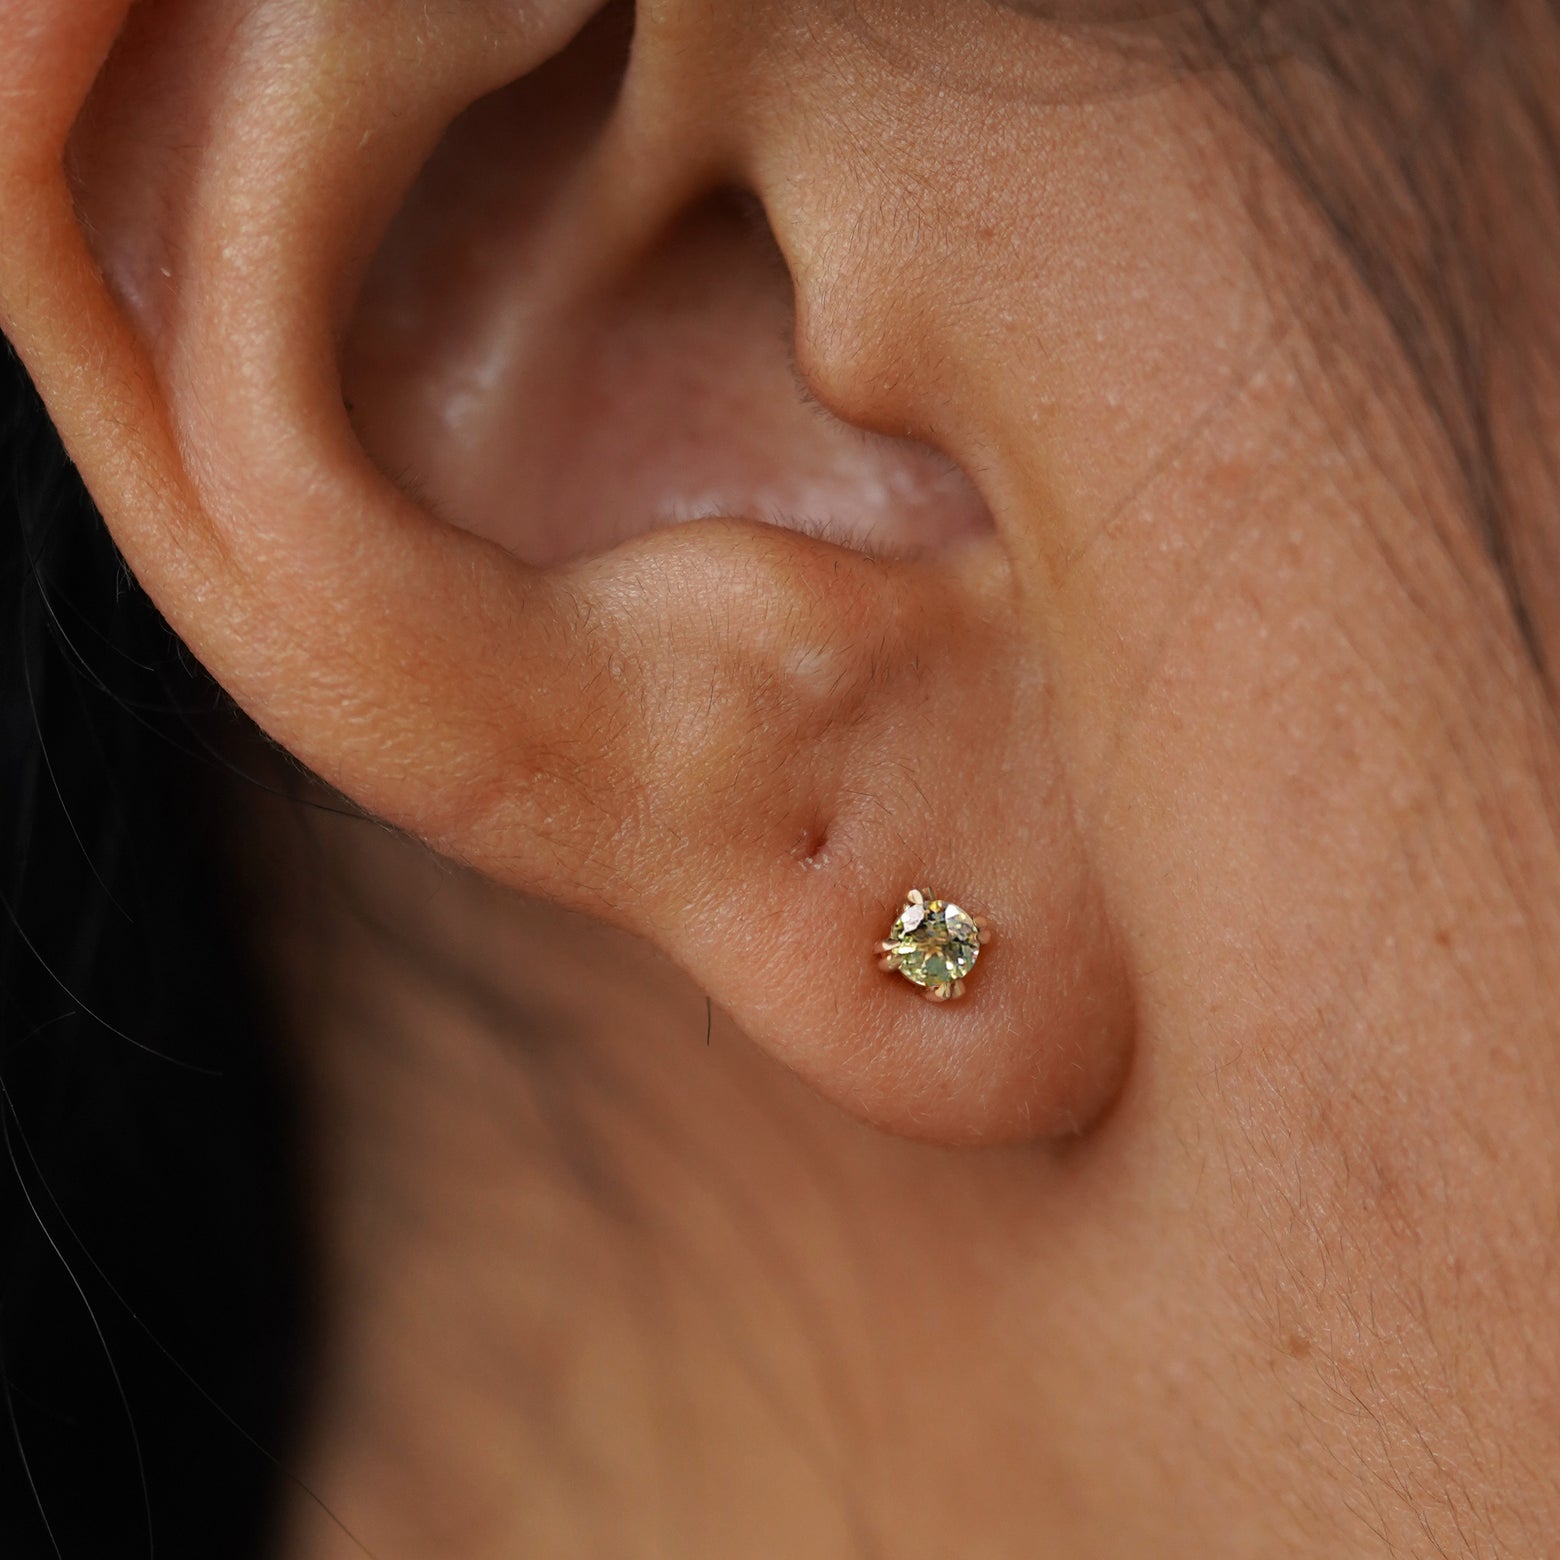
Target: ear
(741,740)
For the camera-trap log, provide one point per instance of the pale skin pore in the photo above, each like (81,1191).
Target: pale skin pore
(1218,1218)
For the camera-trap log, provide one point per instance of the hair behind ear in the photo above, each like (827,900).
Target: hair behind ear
(154,1316)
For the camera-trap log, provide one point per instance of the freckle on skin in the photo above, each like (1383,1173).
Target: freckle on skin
(1297,1346)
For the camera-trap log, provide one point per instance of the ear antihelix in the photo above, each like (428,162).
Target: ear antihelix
(646,735)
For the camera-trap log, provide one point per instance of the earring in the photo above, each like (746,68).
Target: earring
(934,944)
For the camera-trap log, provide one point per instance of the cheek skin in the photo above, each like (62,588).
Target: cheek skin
(1264,667)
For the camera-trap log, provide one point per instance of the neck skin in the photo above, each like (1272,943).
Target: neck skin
(598,1284)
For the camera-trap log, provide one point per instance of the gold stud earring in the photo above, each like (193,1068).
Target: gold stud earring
(934,945)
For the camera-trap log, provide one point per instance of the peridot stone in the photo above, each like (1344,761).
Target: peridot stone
(934,943)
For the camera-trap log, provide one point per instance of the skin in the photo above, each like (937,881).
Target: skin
(1031,548)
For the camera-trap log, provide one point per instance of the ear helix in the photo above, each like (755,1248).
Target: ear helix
(739,741)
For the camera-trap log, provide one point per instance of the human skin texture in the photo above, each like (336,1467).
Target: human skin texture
(695,490)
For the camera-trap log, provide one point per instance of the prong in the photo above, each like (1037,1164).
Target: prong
(888,962)
(885,947)
(958,989)
(983,936)
(916,897)
(938,993)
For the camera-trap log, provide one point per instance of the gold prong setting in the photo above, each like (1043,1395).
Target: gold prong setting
(934,945)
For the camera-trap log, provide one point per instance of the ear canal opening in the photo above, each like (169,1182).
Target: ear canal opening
(557,347)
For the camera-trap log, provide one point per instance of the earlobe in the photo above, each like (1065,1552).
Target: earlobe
(738,740)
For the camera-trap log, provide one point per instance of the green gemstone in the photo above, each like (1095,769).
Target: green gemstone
(935,943)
